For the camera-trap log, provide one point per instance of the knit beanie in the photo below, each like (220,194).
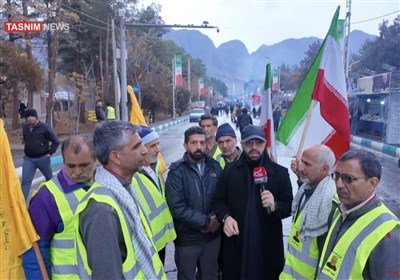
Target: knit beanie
(148,135)
(225,130)
(31,113)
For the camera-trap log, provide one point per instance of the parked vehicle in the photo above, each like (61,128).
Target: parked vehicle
(196,114)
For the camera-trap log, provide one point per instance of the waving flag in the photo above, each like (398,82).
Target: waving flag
(17,231)
(322,99)
(266,116)
(138,118)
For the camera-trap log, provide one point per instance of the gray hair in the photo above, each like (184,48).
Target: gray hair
(370,165)
(112,135)
(325,156)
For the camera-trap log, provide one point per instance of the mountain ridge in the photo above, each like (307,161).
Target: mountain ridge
(231,62)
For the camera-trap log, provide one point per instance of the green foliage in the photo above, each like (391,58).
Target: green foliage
(385,49)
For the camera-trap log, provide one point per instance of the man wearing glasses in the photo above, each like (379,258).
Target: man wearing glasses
(253,245)
(364,237)
(311,209)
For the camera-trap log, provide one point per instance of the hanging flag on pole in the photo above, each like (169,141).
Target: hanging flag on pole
(17,231)
(266,120)
(201,86)
(137,117)
(319,112)
(275,79)
(178,71)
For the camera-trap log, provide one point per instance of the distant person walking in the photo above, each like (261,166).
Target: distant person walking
(100,115)
(110,112)
(276,116)
(243,120)
(21,110)
(40,143)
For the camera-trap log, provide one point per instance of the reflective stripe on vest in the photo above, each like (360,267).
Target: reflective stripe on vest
(62,248)
(130,268)
(157,209)
(110,113)
(302,254)
(351,252)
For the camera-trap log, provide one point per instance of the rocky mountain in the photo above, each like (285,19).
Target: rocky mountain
(231,62)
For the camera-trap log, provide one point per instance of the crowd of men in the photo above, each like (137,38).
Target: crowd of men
(114,221)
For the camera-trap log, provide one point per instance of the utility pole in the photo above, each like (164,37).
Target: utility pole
(124,99)
(346,45)
(173,87)
(189,85)
(123,25)
(115,73)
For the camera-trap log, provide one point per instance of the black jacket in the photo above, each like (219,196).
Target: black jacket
(231,198)
(37,141)
(243,120)
(189,197)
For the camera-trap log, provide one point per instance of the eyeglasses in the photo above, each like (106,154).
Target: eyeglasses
(346,178)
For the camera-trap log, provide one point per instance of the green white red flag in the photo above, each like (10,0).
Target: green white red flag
(266,120)
(325,84)
(178,71)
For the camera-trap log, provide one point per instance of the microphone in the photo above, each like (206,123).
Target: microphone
(260,179)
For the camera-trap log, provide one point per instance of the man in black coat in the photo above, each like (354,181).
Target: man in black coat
(253,241)
(189,189)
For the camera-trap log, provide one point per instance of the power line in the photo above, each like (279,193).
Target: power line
(82,13)
(375,18)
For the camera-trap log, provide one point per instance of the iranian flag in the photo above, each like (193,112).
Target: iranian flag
(201,86)
(178,70)
(275,79)
(321,102)
(266,116)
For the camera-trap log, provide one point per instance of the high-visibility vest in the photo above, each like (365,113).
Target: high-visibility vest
(156,207)
(301,261)
(221,160)
(351,252)
(216,153)
(110,113)
(62,248)
(130,267)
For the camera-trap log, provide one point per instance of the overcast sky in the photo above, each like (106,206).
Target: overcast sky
(269,22)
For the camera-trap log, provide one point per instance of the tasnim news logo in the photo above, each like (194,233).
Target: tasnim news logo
(33,26)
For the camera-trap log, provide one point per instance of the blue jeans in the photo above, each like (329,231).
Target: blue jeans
(29,169)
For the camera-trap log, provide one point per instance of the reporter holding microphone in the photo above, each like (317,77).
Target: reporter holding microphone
(252,196)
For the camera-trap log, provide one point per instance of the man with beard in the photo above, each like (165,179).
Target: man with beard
(53,205)
(253,241)
(113,233)
(226,139)
(311,210)
(190,188)
(209,123)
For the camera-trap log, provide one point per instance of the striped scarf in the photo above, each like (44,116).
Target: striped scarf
(129,202)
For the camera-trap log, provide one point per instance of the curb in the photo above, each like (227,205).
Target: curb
(376,146)
(59,160)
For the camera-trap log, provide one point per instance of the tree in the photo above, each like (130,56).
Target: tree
(19,75)
(384,49)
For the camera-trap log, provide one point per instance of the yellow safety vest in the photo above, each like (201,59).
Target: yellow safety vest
(222,161)
(110,113)
(62,248)
(216,153)
(351,252)
(156,207)
(130,268)
(301,261)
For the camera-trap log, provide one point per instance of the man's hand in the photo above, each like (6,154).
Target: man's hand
(213,225)
(294,165)
(267,199)
(231,227)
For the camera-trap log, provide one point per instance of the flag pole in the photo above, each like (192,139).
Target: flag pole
(305,130)
(39,257)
